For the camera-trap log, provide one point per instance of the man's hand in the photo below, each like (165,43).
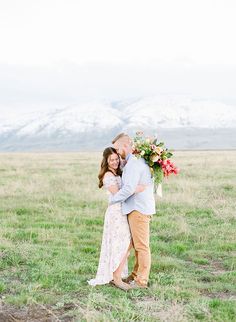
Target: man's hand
(140,188)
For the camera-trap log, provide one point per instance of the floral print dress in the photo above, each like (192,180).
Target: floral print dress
(115,240)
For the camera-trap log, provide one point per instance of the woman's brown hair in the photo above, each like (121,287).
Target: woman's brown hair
(104,165)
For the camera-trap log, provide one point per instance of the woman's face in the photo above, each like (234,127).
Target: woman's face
(113,161)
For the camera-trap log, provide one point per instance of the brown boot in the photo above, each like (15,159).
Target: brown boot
(138,284)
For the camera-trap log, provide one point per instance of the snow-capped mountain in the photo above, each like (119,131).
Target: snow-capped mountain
(179,112)
(181,121)
(72,119)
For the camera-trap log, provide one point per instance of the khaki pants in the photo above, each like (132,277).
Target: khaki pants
(139,227)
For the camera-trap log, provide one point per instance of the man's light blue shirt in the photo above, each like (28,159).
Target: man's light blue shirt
(128,156)
(135,172)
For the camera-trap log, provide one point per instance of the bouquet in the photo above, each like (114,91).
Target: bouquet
(157,156)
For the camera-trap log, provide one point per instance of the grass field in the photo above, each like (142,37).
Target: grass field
(51,222)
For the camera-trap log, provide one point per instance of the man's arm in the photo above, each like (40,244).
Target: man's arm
(131,181)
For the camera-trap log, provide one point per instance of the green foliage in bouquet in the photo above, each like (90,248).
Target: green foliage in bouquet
(156,156)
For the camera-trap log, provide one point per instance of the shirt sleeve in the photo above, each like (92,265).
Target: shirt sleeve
(109,181)
(132,177)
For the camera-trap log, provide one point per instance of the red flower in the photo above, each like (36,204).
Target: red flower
(168,167)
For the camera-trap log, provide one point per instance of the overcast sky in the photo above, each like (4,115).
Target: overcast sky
(55,51)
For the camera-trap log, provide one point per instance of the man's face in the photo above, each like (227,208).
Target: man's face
(120,149)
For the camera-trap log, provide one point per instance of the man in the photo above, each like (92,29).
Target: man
(139,207)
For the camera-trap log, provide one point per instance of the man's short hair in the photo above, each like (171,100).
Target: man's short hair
(119,136)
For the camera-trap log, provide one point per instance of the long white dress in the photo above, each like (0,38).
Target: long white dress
(115,240)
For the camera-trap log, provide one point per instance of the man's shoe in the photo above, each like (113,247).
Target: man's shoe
(134,284)
(128,279)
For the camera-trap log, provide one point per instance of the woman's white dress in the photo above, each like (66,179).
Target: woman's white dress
(115,240)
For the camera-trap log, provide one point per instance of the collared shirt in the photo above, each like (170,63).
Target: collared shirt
(135,172)
(128,156)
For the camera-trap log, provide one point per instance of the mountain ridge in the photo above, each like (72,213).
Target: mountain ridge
(93,123)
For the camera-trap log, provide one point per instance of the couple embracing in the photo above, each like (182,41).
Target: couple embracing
(127,218)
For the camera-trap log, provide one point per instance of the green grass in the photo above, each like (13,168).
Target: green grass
(51,215)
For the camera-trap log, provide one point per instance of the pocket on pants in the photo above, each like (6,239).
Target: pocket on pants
(144,218)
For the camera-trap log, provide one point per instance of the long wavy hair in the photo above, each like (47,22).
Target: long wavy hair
(104,165)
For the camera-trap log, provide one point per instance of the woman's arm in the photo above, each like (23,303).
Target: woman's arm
(112,186)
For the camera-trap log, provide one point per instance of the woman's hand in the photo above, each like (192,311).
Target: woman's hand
(140,188)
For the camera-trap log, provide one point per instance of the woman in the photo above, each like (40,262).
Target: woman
(116,240)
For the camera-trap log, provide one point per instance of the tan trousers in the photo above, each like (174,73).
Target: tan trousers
(139,227)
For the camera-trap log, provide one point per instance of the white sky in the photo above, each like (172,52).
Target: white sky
(137,31)
(121,38)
